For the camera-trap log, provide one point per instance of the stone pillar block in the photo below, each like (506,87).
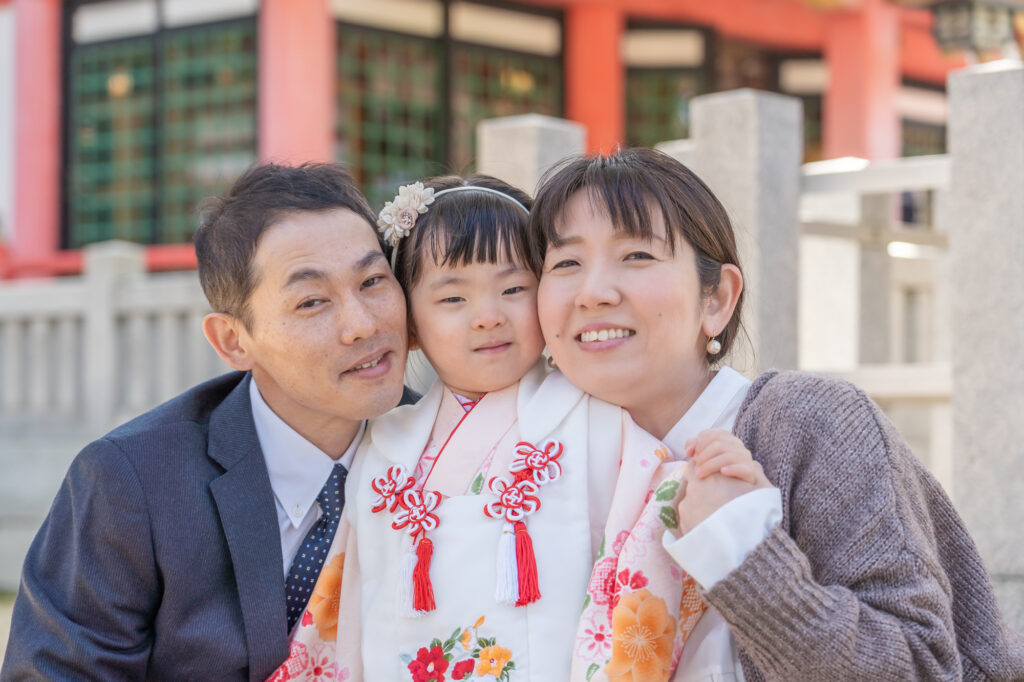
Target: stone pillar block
(874,328)
(986,243)
(748,148)
(107,265)
(520,149)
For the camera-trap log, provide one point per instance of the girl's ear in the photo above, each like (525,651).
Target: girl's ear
(721,303)
(414,343)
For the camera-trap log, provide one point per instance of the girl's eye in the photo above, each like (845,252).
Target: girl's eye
(639,255)
(452,299)
(567,263)
(512,290)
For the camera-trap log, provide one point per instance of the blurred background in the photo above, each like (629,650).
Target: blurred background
(118,116)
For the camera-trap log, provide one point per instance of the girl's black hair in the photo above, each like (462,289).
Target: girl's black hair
(466,227)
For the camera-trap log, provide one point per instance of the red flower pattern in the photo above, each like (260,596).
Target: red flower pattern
(429,666)
(463,669)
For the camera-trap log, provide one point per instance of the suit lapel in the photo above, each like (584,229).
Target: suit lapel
(245,503)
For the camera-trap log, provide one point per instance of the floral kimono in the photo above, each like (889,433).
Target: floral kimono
(468,544)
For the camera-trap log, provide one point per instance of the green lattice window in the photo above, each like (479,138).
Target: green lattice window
(923,138)
(658,104)
(155,124)
(208,126)
(390,93)
(111,179)
(487,83)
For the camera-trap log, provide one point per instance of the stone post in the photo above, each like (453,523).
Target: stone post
(519,149)
(107,265)
(748,148)
(986,240)
(874,327)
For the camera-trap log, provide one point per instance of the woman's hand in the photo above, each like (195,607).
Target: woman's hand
(720,470)
(718,451)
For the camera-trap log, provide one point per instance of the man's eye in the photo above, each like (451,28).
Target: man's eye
(372,280)
(310,303)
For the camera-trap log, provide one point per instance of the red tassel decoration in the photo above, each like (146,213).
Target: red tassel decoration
(423,590)
(526,564)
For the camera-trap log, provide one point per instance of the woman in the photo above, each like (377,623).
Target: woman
(855,565)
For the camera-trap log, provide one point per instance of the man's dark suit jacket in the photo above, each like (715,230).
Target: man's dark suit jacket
(161,556)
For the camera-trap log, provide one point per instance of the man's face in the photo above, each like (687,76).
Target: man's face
(328,336)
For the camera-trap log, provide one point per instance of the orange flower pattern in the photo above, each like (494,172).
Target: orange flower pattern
(325,602)
(642,634)
(492,661)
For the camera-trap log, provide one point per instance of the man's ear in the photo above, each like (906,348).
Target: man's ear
(225,333)
(721,303)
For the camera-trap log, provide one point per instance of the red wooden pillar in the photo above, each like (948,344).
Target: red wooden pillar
(594,75)
(862,48)
(296,81)
(36,131)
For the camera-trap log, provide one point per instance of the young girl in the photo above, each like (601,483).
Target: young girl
(476,515)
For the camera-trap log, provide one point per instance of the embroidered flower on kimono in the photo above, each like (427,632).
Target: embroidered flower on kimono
(493,660)
(429,665)
(603,580)
(542,464)
(297,661)
(515,501)
(322,666)
(463,669)
(416,512)
(325,601)
(594,643)
(642,635)
(398,217)
(389,487)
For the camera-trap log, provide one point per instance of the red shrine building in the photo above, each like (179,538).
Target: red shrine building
(118,116)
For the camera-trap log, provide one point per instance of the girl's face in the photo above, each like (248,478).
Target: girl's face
(623,317)
(477,324)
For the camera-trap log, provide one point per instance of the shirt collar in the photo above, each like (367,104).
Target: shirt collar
(715,408)
(297,468)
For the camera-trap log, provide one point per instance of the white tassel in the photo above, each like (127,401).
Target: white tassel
(507,590)
(405,585)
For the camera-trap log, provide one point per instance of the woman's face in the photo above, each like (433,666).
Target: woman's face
(622,316)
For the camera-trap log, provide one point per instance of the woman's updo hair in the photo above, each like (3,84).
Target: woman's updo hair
(629,185)
(464,227)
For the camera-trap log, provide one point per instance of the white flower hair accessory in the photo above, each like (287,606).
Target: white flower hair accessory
(398,217)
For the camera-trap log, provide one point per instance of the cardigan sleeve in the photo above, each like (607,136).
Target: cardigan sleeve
(90,586)
(850,585)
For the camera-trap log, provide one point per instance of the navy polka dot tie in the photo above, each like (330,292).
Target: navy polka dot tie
(309,559)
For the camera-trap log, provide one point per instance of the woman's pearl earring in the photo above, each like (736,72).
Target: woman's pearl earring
(714,346)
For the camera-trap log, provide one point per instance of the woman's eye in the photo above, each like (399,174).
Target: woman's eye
(512,290)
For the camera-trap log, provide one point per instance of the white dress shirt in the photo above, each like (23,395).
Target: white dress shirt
(719,543)
(298,470)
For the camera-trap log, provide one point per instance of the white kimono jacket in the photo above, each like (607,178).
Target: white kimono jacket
(611,498)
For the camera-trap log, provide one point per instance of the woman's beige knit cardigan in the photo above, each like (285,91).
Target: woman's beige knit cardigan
(871,575)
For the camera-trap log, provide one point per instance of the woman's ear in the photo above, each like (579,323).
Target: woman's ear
(721,303)
(225,334)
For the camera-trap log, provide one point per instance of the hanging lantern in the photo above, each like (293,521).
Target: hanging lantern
(981,28)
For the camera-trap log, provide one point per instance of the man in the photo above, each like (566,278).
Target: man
(169,548)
